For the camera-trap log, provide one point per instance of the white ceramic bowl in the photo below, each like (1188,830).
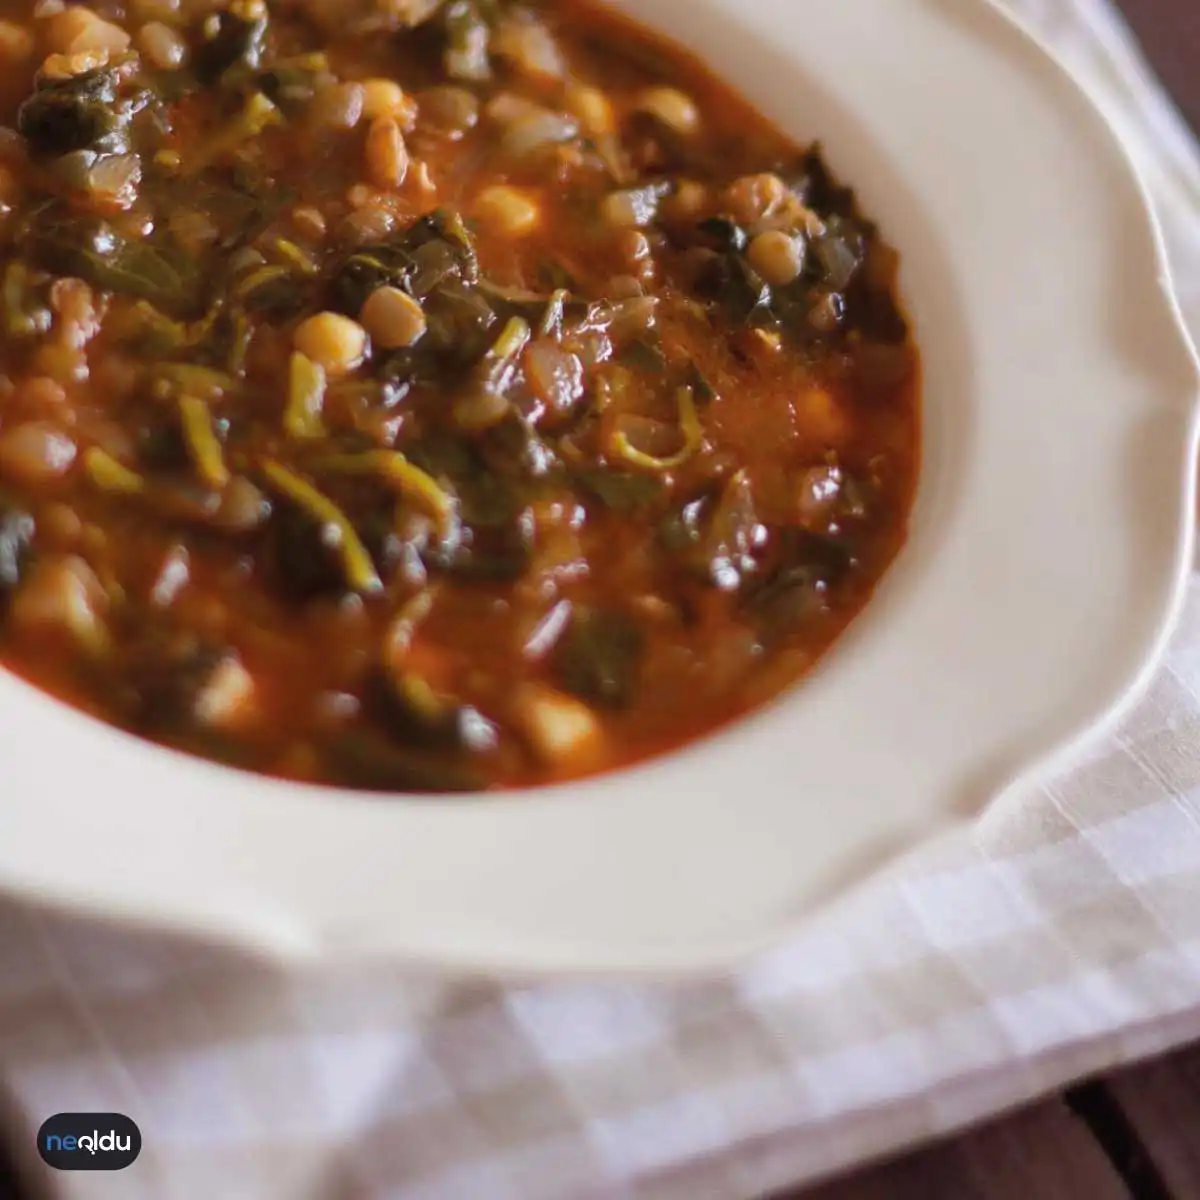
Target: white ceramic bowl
(1052,535)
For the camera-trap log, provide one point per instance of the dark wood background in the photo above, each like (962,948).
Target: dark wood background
(1135,1134)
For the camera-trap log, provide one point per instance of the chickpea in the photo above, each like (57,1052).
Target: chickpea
(370,223)
(386,98)
(593,109)
(629,210)
(334,342)
(687,202)
(67,66)
(777,257)
(310,222)
(337,106)
(753,197)
(393,318)
(508,210)
(670,106)
(77,30)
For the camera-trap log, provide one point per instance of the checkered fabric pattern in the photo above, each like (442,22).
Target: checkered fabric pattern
(1059,937)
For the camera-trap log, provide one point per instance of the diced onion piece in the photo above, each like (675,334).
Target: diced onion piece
(227,697)
(540,128)
(670,106)
(562,731)
(525,42)
(555,374)
(62,594)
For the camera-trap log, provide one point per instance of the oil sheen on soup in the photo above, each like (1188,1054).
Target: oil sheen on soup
(427,396)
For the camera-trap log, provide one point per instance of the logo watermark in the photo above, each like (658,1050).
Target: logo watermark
(89,1141)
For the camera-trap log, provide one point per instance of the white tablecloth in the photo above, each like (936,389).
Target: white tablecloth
(1061,937)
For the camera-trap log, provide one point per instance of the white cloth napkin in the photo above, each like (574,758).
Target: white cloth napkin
(1060,938)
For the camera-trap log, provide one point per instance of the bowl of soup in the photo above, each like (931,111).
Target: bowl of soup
(511,484)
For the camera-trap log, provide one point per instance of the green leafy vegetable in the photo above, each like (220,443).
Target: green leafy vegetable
(642,354)
(409,480)
(717,537)
(233,42)
(622,491)
(95,252)
(257,113)
(419,714)
(599,658)
(78,113)
(334,529)
(798,590)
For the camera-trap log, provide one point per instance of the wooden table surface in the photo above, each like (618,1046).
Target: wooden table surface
(1134,1134)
